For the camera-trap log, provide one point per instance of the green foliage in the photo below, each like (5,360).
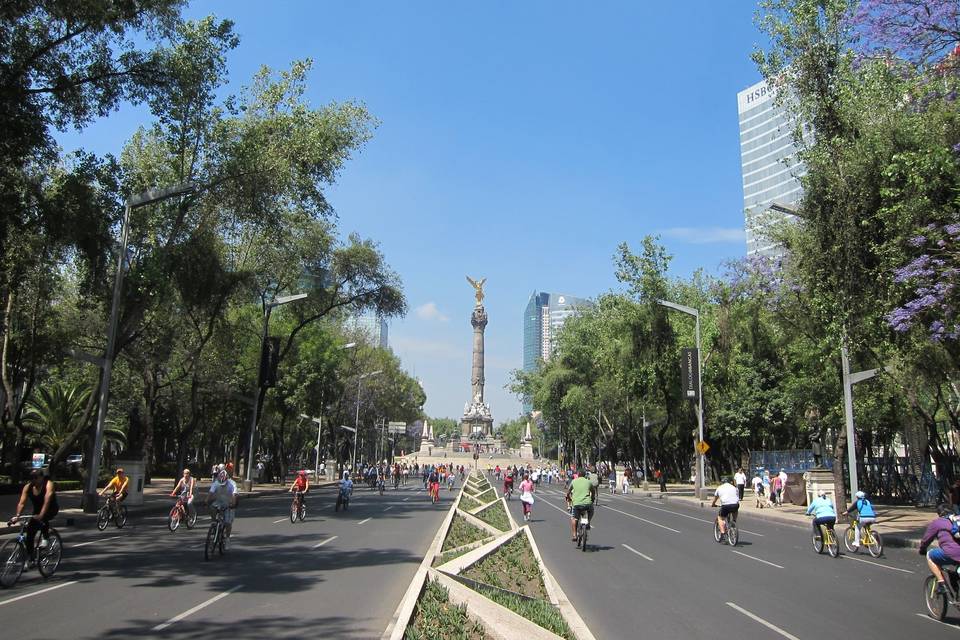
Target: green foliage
(537,611)
(495,515)
(461,533)
(468,504)
(435,617)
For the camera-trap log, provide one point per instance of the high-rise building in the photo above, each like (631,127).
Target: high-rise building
(373,328)
(544,315)
(769,164)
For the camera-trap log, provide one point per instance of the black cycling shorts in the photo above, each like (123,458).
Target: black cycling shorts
(577,509)
(727,509)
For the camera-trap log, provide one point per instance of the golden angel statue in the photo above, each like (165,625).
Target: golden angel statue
(478,286)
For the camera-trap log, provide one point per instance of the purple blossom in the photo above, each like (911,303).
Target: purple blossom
(954,228)
(956,148)
(917,241)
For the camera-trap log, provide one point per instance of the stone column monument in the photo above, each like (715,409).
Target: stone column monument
(526,447)
(477,418)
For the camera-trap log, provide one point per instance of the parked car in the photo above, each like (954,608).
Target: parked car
(75,458)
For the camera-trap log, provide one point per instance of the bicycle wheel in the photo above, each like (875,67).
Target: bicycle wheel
(293,511)
(833,547)
(849,537)
(336,507)
(210,548)
(381,488)
(48,559)
(733,534)
(303,512)
(876,544)
(221,538)
(14,557)
(191,517)
(818,541)
(936,602)
(716,531)
(586,528)
(103,517)
(120,517)
(173,520)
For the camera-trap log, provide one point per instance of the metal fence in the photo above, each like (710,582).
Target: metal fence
(790,460)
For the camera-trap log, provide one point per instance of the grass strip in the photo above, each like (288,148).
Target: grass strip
(512,567)
(468,504)
(462,532)
(447,556)
(436,617)
(495,515)
(539,612)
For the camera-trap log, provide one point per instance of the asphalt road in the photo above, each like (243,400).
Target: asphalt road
(653,570)
(337,575)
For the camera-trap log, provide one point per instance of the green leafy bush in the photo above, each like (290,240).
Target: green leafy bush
(495,515)
(435,617)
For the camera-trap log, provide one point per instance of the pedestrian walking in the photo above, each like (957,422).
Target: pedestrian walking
(740,479)
(661,479)
(526,497)
(776,486)
(765,486)
(627,473)
(758,490)
(783,487)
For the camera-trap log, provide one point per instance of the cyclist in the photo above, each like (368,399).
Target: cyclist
(581,496)
(823,512)
(301,484)
(729,497)
(42,494)
(184,489)
(223,494)
(451,479)
(346,485)
(865,514)
(119,485)
(508,483)
(612,480)
(942,529)
(434,482)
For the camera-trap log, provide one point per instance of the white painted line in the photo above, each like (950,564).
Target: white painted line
(683,515)
(388,508)
(630,515)
(190,612)
(768,625)
(922,615)
(883,566)
(642,555)
(745,555)
(36,593)
(280,520)
(83,544)
(320,544)
(405,499)
(366,520)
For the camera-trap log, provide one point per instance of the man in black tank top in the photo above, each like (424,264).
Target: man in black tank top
(41,492)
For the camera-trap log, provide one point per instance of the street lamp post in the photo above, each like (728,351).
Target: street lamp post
(357,420)
(696,314)
(267,310)
(90,503)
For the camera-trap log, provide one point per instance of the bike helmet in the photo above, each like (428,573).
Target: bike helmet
(229,468)
(861,495)
(301,472)
(222,476)
(822,493)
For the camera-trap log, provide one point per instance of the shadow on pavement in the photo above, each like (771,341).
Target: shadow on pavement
(258,627)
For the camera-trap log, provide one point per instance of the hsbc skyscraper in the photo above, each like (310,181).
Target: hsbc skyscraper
(769,164)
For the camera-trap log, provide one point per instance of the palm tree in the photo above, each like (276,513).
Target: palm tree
(53,414)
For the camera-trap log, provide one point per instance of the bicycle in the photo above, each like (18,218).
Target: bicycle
(396,481)
(215,534)
(825,537)
(380,484)
(868,538)
(180,511)
(435,492)
(298,510)
(112,511)
(14,554)
(508,491)
(343,500)
(583,526)
(937,602)
(732,533)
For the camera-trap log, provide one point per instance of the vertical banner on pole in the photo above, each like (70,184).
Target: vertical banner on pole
(690,374)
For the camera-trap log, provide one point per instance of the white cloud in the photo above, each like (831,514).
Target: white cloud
(706,235)
(429,311)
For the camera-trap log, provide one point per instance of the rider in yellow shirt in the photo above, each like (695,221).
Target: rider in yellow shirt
(119,484)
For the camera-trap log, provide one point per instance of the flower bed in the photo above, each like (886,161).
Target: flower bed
(468,504)
(436,617)
(495,516)
(462,532)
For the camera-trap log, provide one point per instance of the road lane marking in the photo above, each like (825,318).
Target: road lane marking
(630,515)
(642,555)
(768,625)
(746,555)
(280,520)
(366,520)
(877,564)
(36,593)
(388,508)
(320,544)
(190,612)
(405,499)
(83,544)
(925,617)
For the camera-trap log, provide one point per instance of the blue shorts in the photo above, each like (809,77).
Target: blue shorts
(939,558)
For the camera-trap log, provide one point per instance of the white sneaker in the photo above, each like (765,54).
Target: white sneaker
(44,543)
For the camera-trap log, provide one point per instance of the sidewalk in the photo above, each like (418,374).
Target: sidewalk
(156,498)
(900,525)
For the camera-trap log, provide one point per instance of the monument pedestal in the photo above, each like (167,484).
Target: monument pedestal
(526,451)
(820,479)
(426,448)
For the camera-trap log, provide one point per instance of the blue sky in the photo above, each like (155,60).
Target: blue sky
(519,141)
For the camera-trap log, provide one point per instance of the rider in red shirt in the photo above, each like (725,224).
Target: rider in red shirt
(302,484)
(508,482)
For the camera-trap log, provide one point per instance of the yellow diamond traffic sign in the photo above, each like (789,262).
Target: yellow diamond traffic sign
(703,447)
